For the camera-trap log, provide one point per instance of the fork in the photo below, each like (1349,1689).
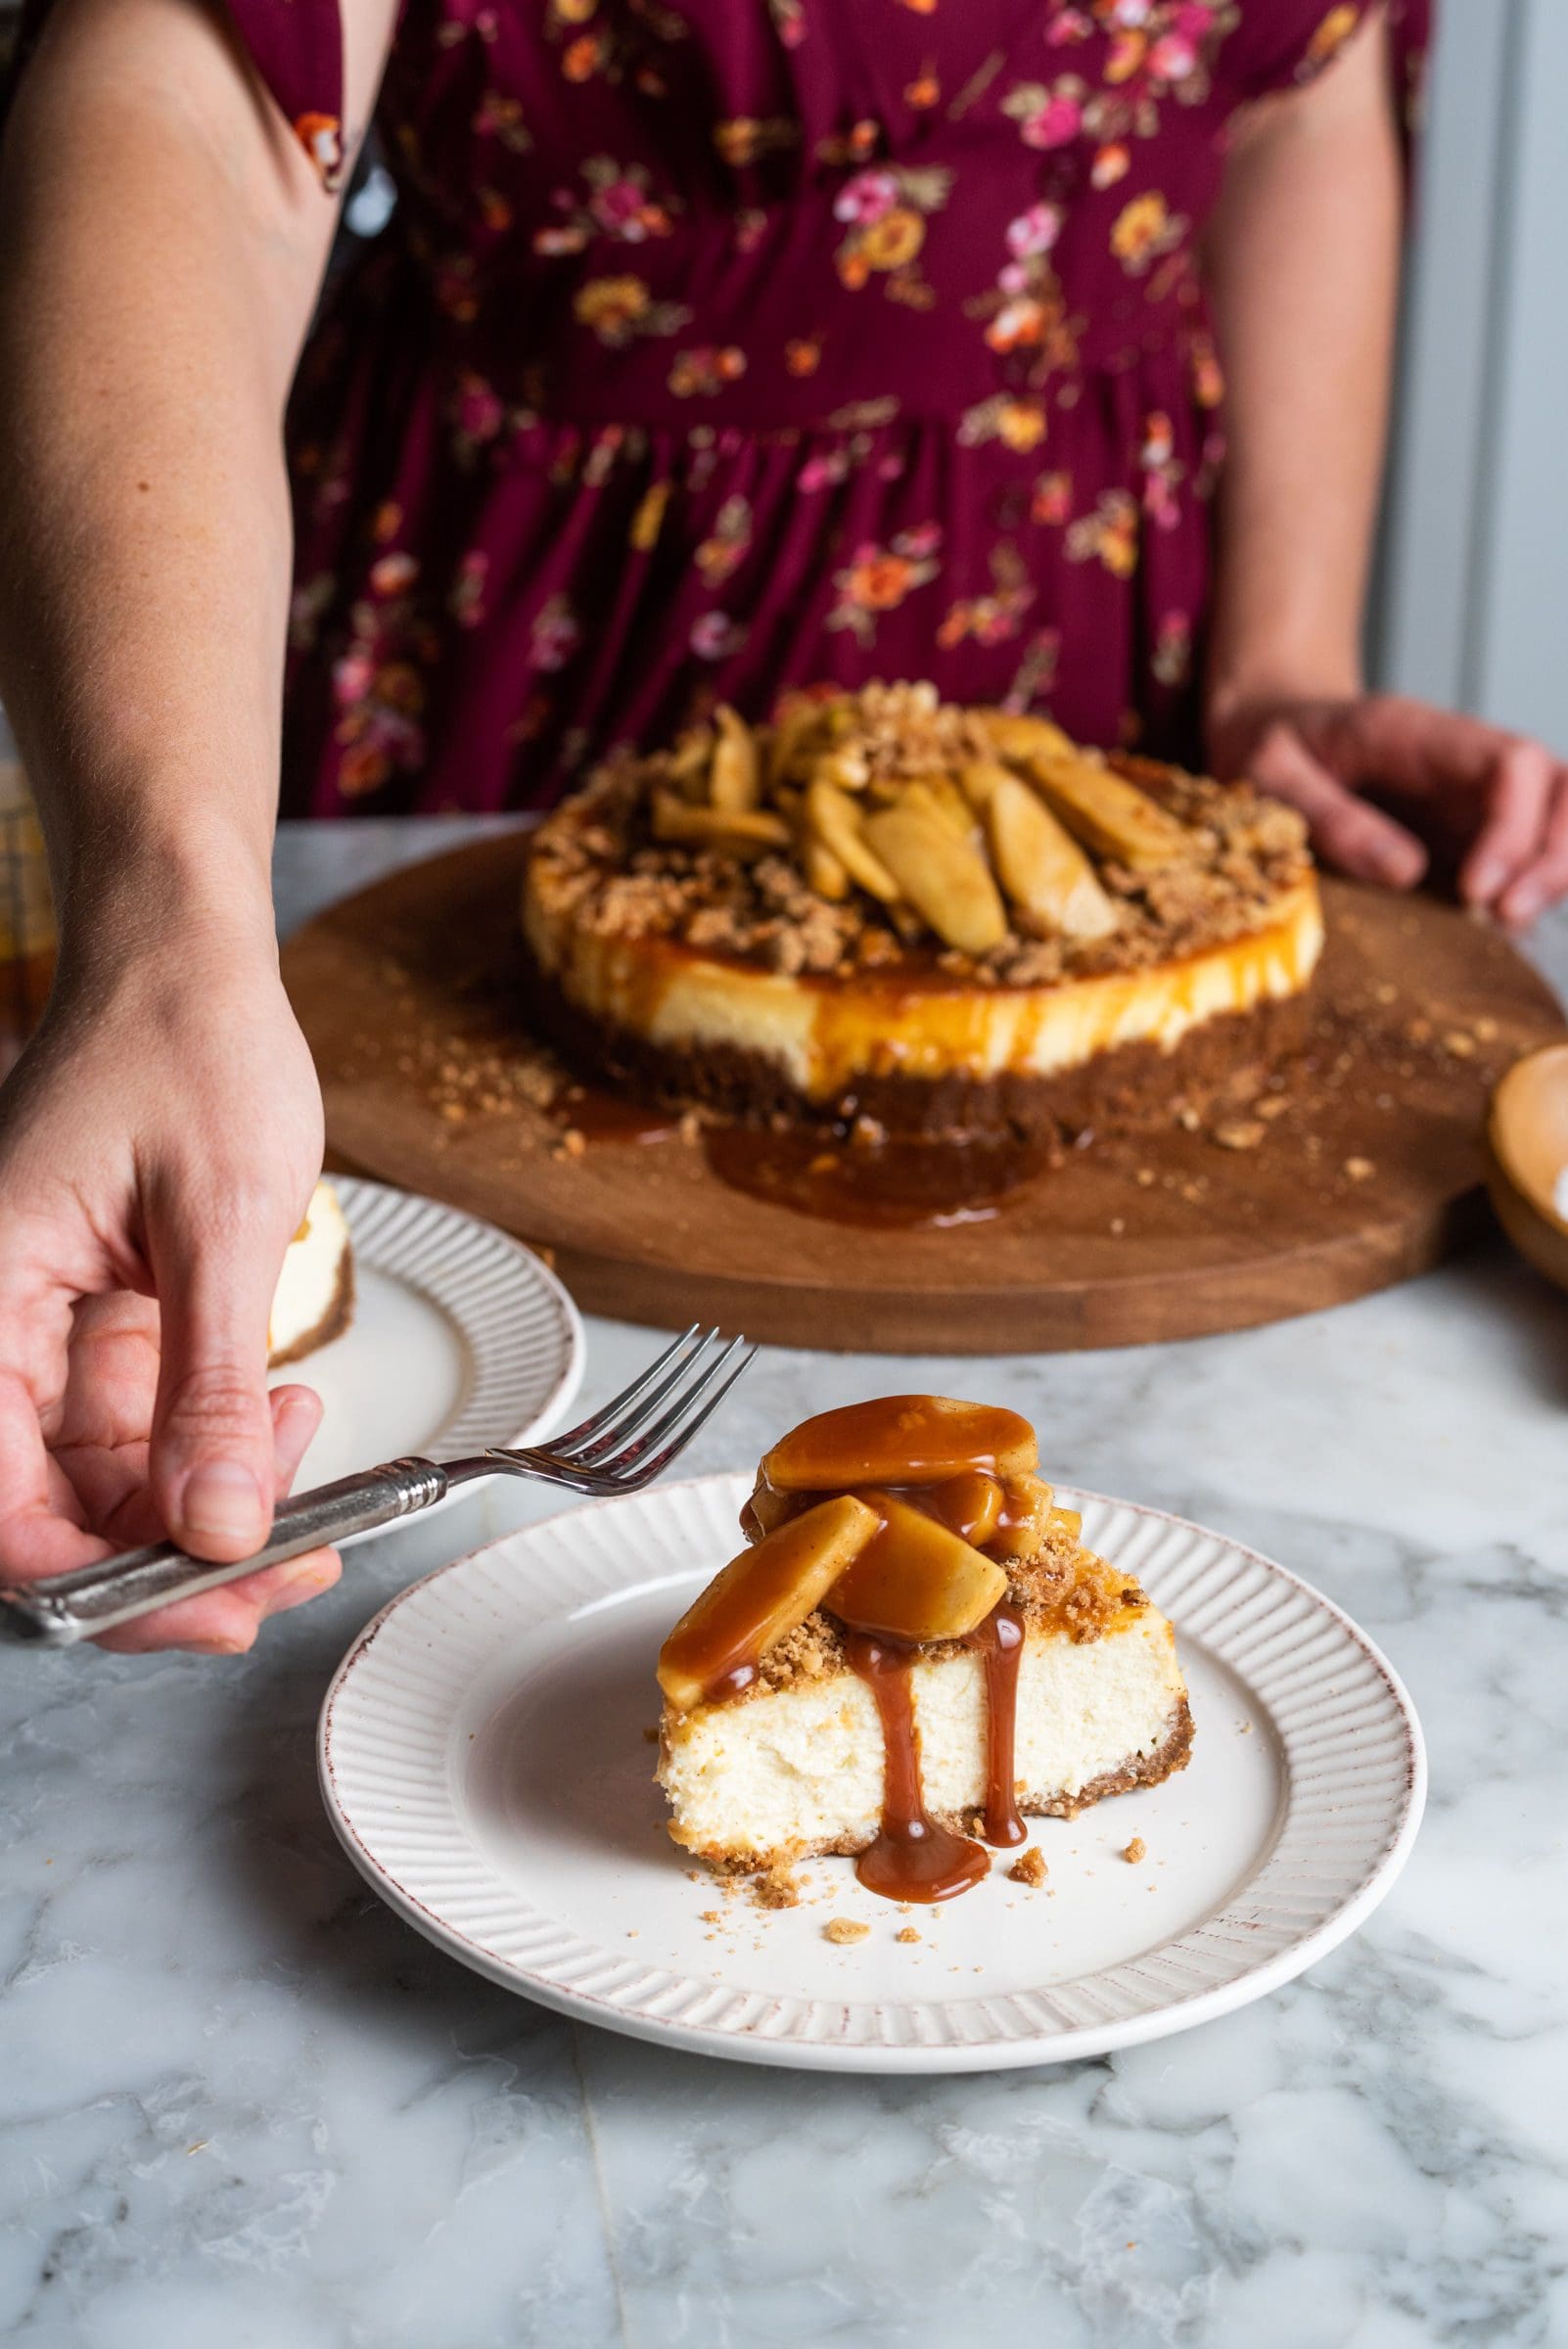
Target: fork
(614,1451)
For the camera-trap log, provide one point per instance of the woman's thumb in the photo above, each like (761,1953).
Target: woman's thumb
(210,1464)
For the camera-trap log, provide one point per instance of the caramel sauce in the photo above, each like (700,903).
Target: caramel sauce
(893,1186)
(600,1115)
(914,1857)
(1001,1642)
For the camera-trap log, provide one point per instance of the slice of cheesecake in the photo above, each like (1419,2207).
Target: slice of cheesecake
(916,1649)
(314,1299)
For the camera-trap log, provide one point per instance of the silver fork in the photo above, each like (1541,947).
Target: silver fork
(618,1450)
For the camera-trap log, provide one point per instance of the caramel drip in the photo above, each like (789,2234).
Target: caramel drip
(914,1857)
(1001,1642)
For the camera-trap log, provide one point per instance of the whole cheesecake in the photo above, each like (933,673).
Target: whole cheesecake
(935,919)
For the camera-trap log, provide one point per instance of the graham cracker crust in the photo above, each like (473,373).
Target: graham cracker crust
(333,1323)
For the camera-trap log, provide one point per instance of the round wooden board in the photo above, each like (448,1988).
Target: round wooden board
(1367,1178)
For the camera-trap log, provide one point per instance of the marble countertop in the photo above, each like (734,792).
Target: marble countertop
(240,2101)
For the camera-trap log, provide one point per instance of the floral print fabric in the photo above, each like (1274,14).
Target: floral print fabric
(732,344)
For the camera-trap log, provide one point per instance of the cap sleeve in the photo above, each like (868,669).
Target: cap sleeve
(297,49)
(1282,44)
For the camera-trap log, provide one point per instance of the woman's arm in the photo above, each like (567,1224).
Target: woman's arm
(1304,270)
(163,238)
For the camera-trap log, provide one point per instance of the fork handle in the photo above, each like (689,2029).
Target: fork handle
(67,1607)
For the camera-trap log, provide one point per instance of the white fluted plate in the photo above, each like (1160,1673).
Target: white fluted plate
(460,1338)
(484,1758)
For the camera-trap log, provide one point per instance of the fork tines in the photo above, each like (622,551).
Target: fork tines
(625,1444)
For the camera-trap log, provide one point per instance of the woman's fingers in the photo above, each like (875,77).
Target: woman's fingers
(225,1621)
(214,1264)
(1511,831)
(296,1417)
(43,1529)
(1346,831)
(1546,878)
(39,1533)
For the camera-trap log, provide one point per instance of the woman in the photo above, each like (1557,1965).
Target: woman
(712,347)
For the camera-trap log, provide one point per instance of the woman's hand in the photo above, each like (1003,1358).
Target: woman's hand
(1388,785)
(158,1142)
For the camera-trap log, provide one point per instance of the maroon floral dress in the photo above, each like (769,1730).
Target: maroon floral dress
(719,346)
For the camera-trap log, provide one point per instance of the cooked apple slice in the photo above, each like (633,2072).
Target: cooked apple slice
(734,780)
(1024,1517)
(689,763)
(824,872)
(914,1579)
(1012,734)
(942,793)
(833,820)
(794,724)
(759,1596)
(901,1440)
(741,831)
(945,879)
(1041,868)
(1110,815)
(978,778)
(768,1508)
(969,1505)
(1067,1521)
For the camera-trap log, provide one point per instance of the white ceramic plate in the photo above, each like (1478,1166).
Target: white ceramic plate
(460,1339)
(483,1759)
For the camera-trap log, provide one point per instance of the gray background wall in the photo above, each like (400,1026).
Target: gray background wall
(1472,603)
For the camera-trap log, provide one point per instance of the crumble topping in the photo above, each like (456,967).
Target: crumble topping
(1028,1868)
(845,1929)
(777,1887)
(857,833)
(1062,1587)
